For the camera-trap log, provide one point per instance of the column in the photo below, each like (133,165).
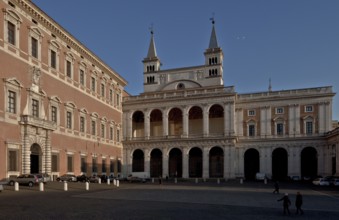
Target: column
(227,161)
(147,162)
(185,122)
(205,163)
(48,153)
(241,162)
(165,162)
(147,125)
(26,152)
(129,126)
(185,163)
(321,117)
(297,119)
(239,122)
(165,123)
(206,121)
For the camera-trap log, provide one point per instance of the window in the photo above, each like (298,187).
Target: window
(54,114)
(69,120)
(111,95)
(82,124)
(68,69)
(118,100)
(279,110)
(102,90)
(280,128)
(11,102)
(102,130)
(11,33)
(13,160)
(111,166)
(93,128)
(55,163)
(111,133)
(34,46)
(94,165)
(35,108)
(70,163)
(103,168)
(93,84)
(251,112)
(308,108)
(251,130)
(118,135)
(309,127)
(83,165)
(181,86)
(82,77)
(53,59)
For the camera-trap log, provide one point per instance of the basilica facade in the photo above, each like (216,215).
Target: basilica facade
(187,124)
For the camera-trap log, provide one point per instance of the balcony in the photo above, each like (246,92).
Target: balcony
(37,122)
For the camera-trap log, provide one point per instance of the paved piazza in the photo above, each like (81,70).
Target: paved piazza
(228,200)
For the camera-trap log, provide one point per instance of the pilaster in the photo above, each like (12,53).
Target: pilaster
(205,163)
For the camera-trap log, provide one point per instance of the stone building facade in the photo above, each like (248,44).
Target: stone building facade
(188,124)
(60,105)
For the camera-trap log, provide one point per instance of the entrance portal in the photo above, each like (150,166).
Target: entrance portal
(36,163)
(279,164)
(251,163)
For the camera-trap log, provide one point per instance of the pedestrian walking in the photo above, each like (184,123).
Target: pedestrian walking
(276,187)
(298,203)
(286,203)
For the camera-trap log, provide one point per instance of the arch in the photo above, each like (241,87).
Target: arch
(216,162)
(138,126)
(175,163)
(195,162)
(138,161)
(36,158)
(216,119)
(156,128)
(251,163)
(175,126)
(195,116)
(309,163)
(279,164)
(156,163)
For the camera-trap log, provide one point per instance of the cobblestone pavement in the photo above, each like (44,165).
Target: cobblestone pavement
(185,200)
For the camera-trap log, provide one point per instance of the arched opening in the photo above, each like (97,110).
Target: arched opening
(175,163)
(279,164)
(216,120)
(195,121)
(195,162)
(36,159)
(138,124)
(309,163)
(216,162)
(251,163)
(175,122)
(156,163)
(138,161)
(156,123)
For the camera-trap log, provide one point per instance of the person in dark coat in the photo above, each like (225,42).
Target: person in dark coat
(286,203)
(276,187)
(298,203)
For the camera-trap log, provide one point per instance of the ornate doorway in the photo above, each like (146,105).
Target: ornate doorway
(36,159)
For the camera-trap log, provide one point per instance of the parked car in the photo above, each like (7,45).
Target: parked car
(321,182)
(94,179)
(135,179)
(43,177)
(82,178)
(67,177)
(331,179)
(336,182)
(25,179)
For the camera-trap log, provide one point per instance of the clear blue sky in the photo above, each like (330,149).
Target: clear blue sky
(293,42)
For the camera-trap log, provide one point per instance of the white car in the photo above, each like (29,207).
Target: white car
(336,182)
(321,182)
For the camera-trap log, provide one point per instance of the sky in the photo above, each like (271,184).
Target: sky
(295,43)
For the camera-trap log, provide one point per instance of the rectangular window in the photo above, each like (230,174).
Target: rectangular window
(54,114)
(34,47)
(53,59)
(119,166)
(82,77)
(69,163)
(13,160)
(69,69)
(118,136)
(93,84)
(111,95)
(279,110)
(102,90)
(102,130)
(251,112)
(251,130)
(82,124)
(55,163)
(308,108)
(111,166)
(118,100)
(35,108)
(93,128)
(280,129)
(83,165)
(111,133)
(103,167)
(94,165)
(309,127)
(11,33)
(11,102)
(69,120)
